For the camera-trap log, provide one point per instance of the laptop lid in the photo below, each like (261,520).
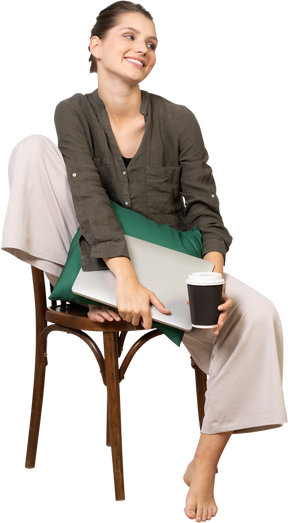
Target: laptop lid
(159,269)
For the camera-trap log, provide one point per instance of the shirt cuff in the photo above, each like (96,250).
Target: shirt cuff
(93,260)
(214,245)
(109,249)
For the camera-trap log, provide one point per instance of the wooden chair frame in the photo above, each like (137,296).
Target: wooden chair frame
(73,319)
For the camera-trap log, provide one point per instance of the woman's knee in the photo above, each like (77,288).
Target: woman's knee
(259,311)
(33,151)
(249,303)
(31,144)
(29,151)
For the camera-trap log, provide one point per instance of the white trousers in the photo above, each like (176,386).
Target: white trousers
(40,221)
(244,362)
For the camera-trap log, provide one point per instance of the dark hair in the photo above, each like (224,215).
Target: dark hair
(108,18)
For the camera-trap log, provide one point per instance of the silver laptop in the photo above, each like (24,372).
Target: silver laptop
(162,270)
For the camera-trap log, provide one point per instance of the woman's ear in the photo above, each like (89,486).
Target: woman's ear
(95,46)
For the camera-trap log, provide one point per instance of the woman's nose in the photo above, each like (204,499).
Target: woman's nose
(141,47)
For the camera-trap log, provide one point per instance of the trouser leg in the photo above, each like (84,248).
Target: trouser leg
(40,221)
(244,363)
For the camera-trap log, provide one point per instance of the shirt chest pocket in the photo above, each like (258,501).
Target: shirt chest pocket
(163,189)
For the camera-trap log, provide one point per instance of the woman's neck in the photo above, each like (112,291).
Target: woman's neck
(122,102)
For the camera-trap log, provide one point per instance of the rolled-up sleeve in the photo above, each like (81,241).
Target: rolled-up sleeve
(101,234)
(199,190)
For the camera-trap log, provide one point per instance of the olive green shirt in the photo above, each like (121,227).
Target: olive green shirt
(168,180)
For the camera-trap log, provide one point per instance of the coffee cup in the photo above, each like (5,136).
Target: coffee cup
(204,291)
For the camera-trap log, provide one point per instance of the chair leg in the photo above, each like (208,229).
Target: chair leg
(35,419)
(114,412)
(108,442)
(201,387)
(39,373)
(199,384)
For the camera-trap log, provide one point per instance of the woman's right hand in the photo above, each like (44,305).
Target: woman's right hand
(133,300)
(133,303)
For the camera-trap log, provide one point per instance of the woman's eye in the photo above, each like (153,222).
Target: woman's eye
(152,46)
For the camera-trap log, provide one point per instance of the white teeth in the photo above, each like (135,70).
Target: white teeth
(135,61)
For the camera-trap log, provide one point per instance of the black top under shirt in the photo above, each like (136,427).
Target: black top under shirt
(126,161)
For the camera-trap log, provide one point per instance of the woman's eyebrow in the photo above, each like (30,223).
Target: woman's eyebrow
(138,32)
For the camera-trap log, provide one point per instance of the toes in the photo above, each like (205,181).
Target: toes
(183,506)
(187,514)
(216,512)
(192,515)
(194,511)
(95,317)
(106,316)
(194,518)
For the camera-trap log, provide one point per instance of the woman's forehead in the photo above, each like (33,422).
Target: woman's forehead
(136,21)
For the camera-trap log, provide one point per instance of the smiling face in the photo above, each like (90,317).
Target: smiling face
(128,49)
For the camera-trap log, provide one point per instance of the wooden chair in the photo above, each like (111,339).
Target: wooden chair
(73,319)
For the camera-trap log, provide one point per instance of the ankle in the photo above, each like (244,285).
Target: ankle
(205,461)
(211,446)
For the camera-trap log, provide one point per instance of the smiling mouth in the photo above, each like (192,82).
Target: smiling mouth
(133,60)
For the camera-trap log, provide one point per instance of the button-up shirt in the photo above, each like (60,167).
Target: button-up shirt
(168,180)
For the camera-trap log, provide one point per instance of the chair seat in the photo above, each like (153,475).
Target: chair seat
(75,316)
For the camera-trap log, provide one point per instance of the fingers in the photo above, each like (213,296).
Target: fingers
(144,315)
(131,317)
(135,317)
(228,303)
(146,321)
(224,308)
(158,304)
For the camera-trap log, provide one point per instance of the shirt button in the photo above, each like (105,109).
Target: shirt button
(124,172)
(213,195)
(126,203)
(74,175)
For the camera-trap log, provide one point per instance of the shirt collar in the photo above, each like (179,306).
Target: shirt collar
(144,101)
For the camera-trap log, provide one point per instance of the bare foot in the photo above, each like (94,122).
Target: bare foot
(100,314)
(186,472)
(200,502)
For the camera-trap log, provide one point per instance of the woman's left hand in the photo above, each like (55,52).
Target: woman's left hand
(217,259)
(223,308)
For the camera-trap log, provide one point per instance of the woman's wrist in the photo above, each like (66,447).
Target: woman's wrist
(121,267)
(217,259)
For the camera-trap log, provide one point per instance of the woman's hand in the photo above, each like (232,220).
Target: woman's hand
(133,300)
(217,259)
(224,307)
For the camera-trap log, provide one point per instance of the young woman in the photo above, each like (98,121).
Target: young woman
(147,154)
